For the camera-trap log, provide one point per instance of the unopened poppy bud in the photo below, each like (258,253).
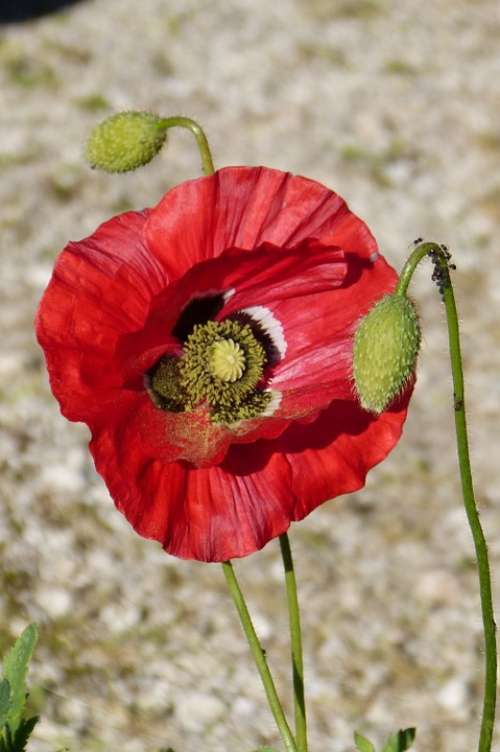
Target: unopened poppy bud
(386,346)
(125,141)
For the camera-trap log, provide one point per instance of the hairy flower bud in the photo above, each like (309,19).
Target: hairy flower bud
(125,141)
(386,346)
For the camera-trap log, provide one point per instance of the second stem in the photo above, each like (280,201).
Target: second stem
(296,645)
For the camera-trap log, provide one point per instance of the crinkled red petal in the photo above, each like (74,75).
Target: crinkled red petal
(319,331)
(266,275)
(233,509)
(100,291)
(245,207)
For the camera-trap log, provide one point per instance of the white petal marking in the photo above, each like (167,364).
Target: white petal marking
(273,403)
(271,326)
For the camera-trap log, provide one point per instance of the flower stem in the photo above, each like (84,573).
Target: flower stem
(440,258)
(296,644)
(207,164)
(259,657)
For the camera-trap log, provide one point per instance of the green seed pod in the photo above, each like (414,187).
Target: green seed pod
(385,351)
(125,141)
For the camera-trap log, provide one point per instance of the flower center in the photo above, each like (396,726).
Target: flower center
(227,360)
(222,363)
(220,368)
(165,388)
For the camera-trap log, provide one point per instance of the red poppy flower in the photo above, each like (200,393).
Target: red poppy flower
(207,344)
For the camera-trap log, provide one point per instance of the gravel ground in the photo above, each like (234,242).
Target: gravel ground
(398,111)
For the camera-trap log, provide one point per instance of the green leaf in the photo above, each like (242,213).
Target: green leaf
(4,701)
(15,741)
(15,668)
(401,741)
(362,743)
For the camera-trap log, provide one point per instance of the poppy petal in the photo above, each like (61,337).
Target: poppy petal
(100,290)
(245,207)
(317,367)
(228,511)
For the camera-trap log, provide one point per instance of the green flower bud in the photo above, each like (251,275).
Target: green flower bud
(385,351)
(125,141)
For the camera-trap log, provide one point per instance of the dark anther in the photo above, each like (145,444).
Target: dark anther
(459,404)
(417,241)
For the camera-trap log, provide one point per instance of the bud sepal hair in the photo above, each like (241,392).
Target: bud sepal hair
(125,141)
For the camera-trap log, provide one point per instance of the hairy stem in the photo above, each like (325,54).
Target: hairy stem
(440,258)
(178,121)
(296,645)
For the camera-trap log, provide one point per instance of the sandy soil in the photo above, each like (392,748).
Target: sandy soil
(398,110)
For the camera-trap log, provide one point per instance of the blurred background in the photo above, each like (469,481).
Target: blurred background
(398,110)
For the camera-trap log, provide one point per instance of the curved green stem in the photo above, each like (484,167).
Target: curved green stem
(207,164)
(259,657)
(440,258)
(296,645)
(420,251)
